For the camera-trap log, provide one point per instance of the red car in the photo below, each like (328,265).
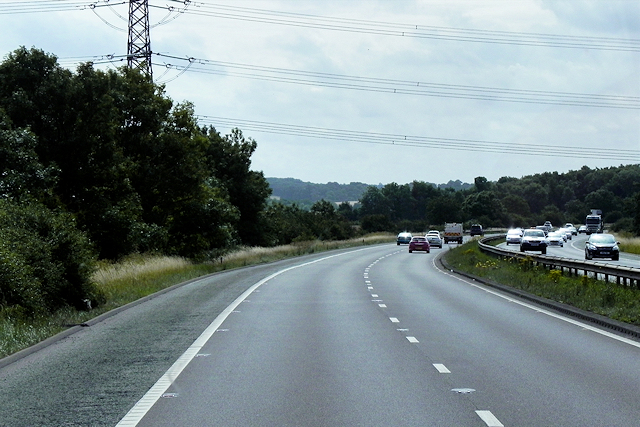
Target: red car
(419,244)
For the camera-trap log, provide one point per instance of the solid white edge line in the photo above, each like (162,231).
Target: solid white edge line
(489,419)
(140,409)
(542,310)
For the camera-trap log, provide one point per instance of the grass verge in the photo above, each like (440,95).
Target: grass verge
(629,244)
(617,302)
(141,275)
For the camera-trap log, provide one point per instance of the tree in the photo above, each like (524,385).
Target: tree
(22,174)
(445,208)
(375,202)
(481,184)
(45,261)
(229,160)
(327,223)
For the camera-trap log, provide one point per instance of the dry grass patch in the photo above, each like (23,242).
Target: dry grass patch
(629,244)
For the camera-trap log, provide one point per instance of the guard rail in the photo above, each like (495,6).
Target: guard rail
(627,276)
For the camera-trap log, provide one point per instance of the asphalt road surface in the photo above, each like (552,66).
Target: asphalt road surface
(363,337)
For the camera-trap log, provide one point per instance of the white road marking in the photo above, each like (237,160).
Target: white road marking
(412,339)
(155,393)
(374,295)
(441,368)
(489,419)
(394,319)
(382,305)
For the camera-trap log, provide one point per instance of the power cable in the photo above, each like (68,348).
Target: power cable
(423,142)
(406,87)
(411,30)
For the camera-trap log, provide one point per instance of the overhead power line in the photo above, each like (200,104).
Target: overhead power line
(292,19)
(40,6)
(423,141)
(373,84)
(410,30)
(406,87)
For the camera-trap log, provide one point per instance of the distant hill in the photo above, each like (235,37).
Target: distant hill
(297,190)
(294,189)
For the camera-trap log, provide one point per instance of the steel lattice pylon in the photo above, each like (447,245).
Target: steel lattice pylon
(139,43)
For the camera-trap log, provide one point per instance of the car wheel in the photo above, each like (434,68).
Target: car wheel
(544,251)
(615,258)
(410,251)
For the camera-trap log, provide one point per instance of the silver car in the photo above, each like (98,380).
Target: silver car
(555,239)
(434,239)
(514,236)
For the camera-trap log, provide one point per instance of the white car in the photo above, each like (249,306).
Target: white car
(514,236)
(574,231)
(556,239)
(567,232)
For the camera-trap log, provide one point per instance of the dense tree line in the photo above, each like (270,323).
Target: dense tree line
(100,164)
(509,202)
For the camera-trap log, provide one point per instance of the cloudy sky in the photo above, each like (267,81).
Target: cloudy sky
(380,91)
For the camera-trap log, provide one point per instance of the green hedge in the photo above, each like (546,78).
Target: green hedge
(45,261)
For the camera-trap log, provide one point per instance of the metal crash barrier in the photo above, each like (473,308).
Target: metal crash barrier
(626,276)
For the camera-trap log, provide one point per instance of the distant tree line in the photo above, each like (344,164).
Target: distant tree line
(101,164)
(509,202)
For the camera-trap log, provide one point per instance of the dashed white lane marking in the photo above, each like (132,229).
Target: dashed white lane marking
(441,368)
(394,319)
(412,339)
(382,305)
(489,419)
(140,409)
(374,295)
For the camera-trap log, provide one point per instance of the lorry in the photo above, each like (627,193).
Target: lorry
(593,222)
(453,232)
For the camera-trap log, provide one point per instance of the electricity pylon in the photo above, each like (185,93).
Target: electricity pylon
(139,42)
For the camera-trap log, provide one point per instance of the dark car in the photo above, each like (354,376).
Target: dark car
(602,246)
(419,244)
(476,230)
(534,240)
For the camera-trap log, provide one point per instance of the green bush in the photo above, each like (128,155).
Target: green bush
(45,261)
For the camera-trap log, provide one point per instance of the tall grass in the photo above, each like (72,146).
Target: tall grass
(629,244)
(138,276)
(608,299)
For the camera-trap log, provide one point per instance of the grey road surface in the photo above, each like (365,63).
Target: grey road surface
(369,337)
